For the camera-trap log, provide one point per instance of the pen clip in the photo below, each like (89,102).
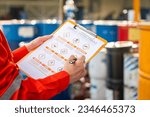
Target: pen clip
(73,61)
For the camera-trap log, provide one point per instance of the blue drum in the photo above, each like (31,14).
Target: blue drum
(88,24)
(18,32)
(107,30)
(46,27)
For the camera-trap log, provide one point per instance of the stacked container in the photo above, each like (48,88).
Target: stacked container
(46,27)
(17,31)
(131,73)
(107,30)
(128,31)
(144,62)
(133,32)
(88,24)
(98,72)
(123,31)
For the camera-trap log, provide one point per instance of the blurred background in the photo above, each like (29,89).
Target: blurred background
(120,71)
(84,9)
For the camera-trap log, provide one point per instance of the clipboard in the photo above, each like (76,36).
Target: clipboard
(76,26)
(69,39)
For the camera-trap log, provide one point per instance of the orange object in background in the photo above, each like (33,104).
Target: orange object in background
(136,6)
(144,62)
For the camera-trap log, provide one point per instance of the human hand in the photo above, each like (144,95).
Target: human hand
(37,42)
(76,70)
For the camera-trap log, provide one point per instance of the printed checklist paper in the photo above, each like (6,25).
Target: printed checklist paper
(67,40)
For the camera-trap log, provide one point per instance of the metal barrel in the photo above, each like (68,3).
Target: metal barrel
(107,30)
(97,70)
(144,62)
(114,80)
(17,31)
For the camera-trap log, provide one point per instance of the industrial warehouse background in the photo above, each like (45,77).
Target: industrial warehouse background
(120,71)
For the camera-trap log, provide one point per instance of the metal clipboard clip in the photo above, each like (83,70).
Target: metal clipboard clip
(85,30)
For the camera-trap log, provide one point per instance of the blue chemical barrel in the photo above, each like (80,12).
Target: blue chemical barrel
(18,32)
(46,27)
(88,24)
(107,30)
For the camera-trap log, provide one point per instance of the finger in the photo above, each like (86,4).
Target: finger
(47,37)
(80,60)
(72,57)
(44,38)
(84,72)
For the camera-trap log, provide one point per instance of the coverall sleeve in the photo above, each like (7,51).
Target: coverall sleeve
(42,89)
(19,53)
